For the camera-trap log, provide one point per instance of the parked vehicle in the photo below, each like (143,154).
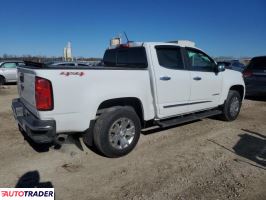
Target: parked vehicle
(69,64)
(233,65)
(8,71)
(255,76)
(152,83)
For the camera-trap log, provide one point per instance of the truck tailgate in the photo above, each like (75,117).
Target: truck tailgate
(26,88)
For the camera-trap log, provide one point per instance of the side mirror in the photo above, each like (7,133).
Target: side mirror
(220,67)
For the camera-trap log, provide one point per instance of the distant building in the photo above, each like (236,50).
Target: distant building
(68,52)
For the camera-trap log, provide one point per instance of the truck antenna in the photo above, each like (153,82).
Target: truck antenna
(126,37)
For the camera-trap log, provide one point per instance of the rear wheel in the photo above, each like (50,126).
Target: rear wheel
(2,80)
(117,132)
(232,106)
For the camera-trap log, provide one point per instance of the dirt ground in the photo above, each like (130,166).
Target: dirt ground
(207,159)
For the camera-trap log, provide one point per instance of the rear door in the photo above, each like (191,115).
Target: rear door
(206,84)
(172,80)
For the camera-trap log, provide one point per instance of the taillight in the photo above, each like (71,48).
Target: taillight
(43,94)
(247,73)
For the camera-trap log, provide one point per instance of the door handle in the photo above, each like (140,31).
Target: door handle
(165,78)
(197,78)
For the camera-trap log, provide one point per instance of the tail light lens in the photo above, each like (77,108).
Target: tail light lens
(43,94)
(247,73)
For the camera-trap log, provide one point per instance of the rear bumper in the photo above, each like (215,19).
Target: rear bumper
(40,131)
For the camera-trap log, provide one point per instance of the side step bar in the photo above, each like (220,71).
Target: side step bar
(187,118)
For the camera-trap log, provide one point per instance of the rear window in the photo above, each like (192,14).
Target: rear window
(126,57)
(258,63)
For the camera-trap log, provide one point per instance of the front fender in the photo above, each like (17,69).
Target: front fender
(231,79)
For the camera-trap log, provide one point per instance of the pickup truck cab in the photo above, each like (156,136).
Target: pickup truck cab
(140,84)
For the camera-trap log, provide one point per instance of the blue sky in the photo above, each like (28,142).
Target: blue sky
(43,27)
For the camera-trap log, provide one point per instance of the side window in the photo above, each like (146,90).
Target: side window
(170,57)
(9,65)
(199,61)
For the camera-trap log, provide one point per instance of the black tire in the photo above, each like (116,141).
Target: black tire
(104,124)
(230,108)
(2,80)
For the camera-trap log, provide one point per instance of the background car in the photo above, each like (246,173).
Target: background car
(8,71)
(255,76)
(233,65)
(70,64)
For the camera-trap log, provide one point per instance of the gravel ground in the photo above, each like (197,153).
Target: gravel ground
(207,159)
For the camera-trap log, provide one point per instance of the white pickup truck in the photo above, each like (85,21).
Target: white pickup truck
(139,85)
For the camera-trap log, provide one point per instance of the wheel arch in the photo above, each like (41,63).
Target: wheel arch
(238,88)
(133,102)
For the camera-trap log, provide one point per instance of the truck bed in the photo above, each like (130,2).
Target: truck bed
(79,91)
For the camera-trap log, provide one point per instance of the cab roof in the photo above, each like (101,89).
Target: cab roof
(180,43)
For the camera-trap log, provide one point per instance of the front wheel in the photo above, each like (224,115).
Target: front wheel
(117,132)
(232,106)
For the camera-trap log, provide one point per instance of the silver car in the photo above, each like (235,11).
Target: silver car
(8,71)
(69,64)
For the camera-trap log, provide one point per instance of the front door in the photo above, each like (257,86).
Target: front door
(206,83)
